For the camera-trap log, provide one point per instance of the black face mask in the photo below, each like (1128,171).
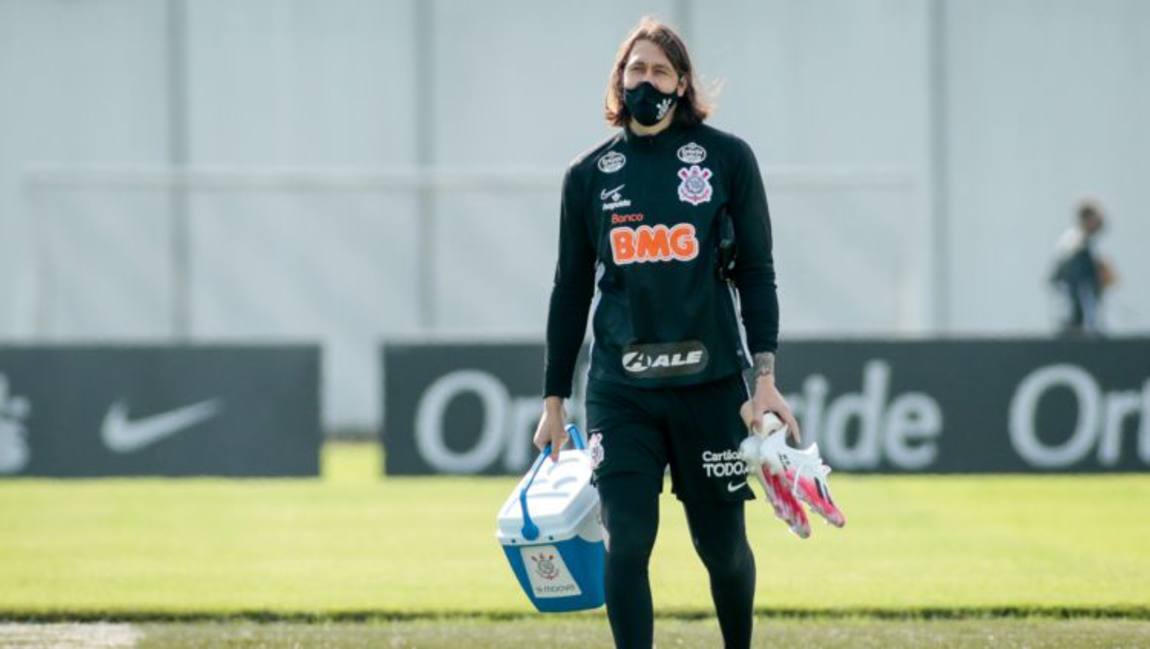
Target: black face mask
(647,104)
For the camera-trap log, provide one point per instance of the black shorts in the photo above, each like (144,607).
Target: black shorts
(695,429)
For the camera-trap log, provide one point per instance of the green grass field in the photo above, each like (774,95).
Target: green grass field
(352,546)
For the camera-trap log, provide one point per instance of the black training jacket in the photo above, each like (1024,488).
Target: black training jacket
(640,226)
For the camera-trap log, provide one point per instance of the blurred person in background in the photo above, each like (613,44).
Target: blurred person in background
(1081,276)
(647,218)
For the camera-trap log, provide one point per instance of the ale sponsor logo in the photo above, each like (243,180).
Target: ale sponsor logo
(665,359)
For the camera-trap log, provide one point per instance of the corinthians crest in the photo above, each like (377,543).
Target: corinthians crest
(595,449)
(696,186)
(545,566)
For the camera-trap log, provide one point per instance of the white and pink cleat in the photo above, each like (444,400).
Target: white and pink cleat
(789,475)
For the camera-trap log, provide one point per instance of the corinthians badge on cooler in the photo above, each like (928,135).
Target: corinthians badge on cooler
(696,186)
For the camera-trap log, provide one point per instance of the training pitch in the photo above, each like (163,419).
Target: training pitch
(353,560)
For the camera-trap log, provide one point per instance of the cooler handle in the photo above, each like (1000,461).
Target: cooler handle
(530,530)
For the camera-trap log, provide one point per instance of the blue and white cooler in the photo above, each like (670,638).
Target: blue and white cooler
(550,530)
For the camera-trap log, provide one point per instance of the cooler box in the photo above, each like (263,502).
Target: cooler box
(550,530)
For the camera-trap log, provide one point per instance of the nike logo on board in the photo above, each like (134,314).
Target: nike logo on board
(123,435)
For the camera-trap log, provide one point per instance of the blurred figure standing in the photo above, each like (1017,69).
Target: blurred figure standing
(1080,275)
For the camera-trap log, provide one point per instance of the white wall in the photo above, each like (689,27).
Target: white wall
(277,84)
(80,83)
(1049,101)
(825,84)
(1045,100)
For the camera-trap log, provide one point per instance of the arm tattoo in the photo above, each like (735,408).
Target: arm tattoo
(764,365)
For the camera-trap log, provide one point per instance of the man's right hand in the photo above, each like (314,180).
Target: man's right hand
(552,428)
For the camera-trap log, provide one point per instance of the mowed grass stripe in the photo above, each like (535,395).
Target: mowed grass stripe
(351,544)
(30,616)
(580,633)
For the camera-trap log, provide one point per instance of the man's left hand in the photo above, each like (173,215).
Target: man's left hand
(768,399)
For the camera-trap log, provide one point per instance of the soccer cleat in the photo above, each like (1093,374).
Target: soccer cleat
(786,506)
(789,474)
(777,492)
(814,492)
(804,474)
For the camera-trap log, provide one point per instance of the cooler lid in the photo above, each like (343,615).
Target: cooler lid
(559,499)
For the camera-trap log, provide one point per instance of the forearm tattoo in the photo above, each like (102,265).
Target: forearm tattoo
(764,365)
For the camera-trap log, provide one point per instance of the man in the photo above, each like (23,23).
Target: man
(1080,275)
(642,219)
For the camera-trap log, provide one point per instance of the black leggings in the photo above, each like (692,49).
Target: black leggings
(631,514)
